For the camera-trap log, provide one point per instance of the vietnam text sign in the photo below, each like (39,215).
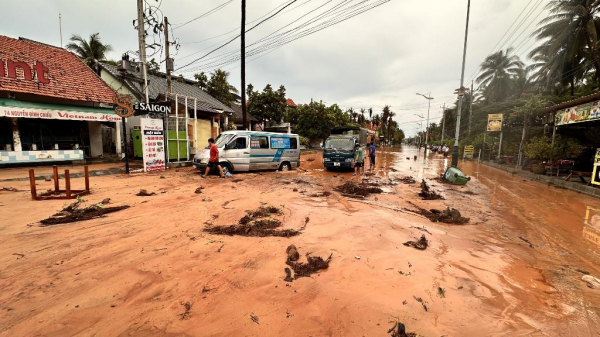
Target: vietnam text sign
(494,122)
(153,143)
(6,111)
(578,114)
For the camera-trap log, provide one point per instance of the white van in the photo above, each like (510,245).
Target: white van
(253,150)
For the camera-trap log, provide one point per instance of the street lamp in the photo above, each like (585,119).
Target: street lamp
(461,91)
(429,98)
(420,128)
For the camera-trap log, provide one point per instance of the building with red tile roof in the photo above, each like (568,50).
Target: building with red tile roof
(53,107)
(290,103)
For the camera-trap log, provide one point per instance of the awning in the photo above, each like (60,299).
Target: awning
(22,109)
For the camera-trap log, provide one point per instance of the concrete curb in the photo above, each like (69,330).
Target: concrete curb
(549,180)
(73,175)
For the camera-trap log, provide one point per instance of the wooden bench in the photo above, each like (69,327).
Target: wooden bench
(581,176)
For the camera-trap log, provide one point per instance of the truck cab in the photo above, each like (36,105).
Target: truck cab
(340,147)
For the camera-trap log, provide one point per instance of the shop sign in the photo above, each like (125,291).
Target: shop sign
(145,108)
(494,122)
(153,144)
(578,114)
(6,111)
(28,73)
(468,152)
(596,173)
(123,105)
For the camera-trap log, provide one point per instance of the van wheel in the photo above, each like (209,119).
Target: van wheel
(285,166)
(226,168)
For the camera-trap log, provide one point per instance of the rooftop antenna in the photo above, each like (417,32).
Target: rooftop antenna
(60,29)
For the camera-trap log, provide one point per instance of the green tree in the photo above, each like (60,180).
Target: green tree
(498,73)
(572,27)
(268,106)
(153,68)
(201,80)
(91,51)
(219,87)
(315,120)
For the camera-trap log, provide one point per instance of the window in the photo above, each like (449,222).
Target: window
(240,143)
(293,143)
(259,142)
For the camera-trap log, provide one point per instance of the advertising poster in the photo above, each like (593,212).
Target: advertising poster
(280,143)
(494,122)
(596,173)
(153,144)
(578,114)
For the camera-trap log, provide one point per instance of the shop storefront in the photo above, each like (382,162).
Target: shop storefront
(53,107)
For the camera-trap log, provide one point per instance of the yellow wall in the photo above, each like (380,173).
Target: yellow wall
(202,132)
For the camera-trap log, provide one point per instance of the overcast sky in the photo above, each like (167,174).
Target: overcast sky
(383,56)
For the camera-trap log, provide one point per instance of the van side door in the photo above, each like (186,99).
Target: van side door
(238,153)
(261,155)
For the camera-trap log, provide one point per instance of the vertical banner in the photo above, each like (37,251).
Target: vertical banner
(596,173)
(494,122)
(153,144)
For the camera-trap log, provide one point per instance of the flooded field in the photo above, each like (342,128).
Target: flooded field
(212,257)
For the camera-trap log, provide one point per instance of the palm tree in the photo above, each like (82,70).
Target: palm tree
(498,72)
(391,124)
(91,52)
(385,116)
(570,33)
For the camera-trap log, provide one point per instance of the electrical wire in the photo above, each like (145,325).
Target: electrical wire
(214,10)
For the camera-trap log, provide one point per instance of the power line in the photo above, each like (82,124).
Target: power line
(228,42)
(214,10)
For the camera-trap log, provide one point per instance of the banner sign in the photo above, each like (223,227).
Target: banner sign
(153,144)
(280,143)
(145,108)
(596,173)
(581,113)
(468,152)
(6,111)
(494,122)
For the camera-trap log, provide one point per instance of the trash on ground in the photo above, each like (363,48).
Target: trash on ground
(399,330)
(441,292)
(408,180)
(420,300)
(449,215)
(313,265)
(321,194)
(256,223)
(144,193)
(427,193)
(105,201)
(361,190)
(254,318)
(8,189)
(455,176)
(420,244)
(187,313)
(357,257)
(72,213)
(199,190)
(422,229)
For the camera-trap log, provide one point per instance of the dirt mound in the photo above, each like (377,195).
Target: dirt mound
(72,213)
(420,244)
(449,215)
(313,265)
(427,193)
(144,193)
(256,223)
(362,190)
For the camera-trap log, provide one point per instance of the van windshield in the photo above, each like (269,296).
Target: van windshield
(339,144)
(222,140)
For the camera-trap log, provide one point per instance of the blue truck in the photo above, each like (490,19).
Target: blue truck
(340,147)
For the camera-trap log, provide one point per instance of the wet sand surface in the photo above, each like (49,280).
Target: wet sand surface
(514,270)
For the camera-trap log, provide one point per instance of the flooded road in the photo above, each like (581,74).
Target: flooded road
(515,269)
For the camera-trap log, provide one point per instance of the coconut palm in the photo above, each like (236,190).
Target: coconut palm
(570,33)
(91,51)
(498,71)
(391,125)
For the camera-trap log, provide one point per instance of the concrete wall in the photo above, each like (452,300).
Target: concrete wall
(95,129)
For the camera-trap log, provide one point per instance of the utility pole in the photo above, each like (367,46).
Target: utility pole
(443,123)
(460,91)
(470,107)
(243,57)
(168,62)
(142,44)
(429,98)
(60,28)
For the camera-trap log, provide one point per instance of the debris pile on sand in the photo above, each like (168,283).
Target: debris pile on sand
(449,215)
(304,269)
(8,189)
(399,330)
(427,193)
(49,193)
(199,190)
(256,223)
(292,253)
(144,193)
(321,194)
(351,189)
(420,244)
(72,213)
(408,180)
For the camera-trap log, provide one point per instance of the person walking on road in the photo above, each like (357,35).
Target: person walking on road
(214,160)
(359,160)
(372,156)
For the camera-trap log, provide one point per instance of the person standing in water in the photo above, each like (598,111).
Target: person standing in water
(359,160)
(372,156)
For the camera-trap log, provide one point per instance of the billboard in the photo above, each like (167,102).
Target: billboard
(494,122)
(153,143)
(578,114)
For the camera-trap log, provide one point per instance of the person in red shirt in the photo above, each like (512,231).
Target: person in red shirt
(214,159)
